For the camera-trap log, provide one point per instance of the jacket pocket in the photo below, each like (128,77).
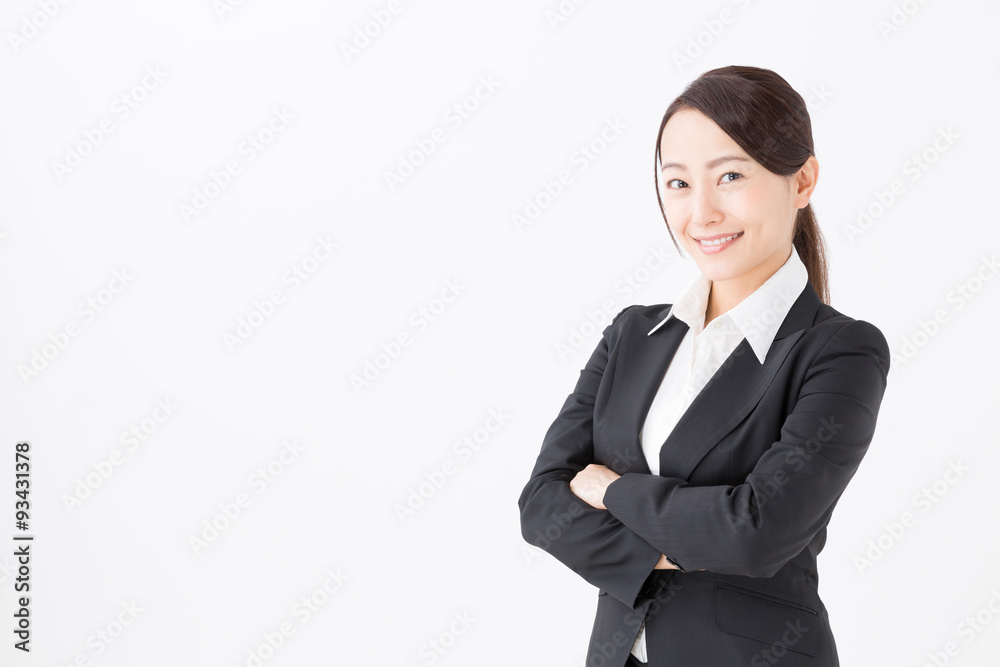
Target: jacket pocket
(768,619)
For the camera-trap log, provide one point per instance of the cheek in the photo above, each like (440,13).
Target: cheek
(757,208)
(749,203)
(677,216)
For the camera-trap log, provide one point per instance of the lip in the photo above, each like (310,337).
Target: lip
(713,249)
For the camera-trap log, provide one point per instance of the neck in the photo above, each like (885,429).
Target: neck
(727,294)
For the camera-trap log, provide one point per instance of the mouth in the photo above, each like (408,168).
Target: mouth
(713,244)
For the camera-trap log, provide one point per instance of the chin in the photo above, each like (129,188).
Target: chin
(716,270)
(718,276)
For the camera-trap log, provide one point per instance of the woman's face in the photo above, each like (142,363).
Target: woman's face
(713,190)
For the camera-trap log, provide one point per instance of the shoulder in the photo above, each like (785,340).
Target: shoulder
(636,317)
(835,333)
(829,331)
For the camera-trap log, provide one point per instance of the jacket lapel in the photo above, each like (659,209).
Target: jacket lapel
(722,404)
(642,362)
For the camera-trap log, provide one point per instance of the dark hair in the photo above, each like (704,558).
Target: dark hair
(769,120)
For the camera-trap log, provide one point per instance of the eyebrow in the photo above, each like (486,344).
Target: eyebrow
(711,164)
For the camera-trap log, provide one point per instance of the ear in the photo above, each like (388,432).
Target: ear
(805,181)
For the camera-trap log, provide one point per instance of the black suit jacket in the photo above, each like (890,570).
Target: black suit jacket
(748,481)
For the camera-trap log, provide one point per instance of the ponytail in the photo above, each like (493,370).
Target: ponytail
(808,242)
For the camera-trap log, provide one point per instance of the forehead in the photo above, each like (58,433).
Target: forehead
(690,133)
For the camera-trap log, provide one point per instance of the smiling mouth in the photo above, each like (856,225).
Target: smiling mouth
(720,240)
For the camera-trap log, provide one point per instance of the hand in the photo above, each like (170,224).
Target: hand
(664,564)
(590,484)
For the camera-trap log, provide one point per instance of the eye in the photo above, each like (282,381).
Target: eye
(676,180)
(731,173)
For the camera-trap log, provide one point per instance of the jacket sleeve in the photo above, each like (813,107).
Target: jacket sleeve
(754,528)
(591,542)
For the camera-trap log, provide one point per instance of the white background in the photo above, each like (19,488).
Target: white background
(877,98)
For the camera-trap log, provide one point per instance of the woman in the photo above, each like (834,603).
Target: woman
(691,474)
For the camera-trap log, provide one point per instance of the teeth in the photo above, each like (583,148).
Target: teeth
(720,241)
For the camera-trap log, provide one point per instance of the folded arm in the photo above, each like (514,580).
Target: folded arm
(754,528)
(591,542)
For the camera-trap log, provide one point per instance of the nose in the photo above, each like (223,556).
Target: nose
(705,207)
